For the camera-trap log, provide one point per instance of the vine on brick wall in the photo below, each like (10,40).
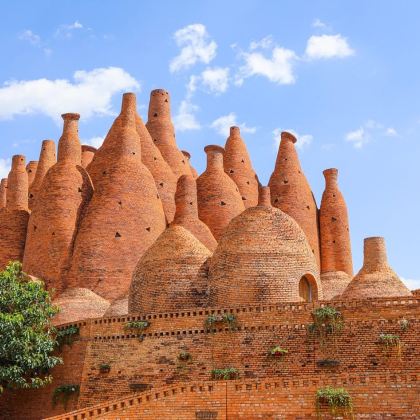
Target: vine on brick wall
(67,335)
(390,342)
(138,326)
(63,393)
(228,319)
(226,373)
(328,322)
(337,400)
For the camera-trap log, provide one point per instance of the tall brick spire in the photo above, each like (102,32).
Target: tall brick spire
(31,170)
(124,217)
(14,217)
(161,129)
(47,158)
(3,192)
(192,169)
(187,212)
(66,190)
(238,166)
(165,179)
(376,278)
(290,191)
(219,200)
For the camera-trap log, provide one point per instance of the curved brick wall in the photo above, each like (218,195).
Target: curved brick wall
(161,129)
(376,278)
(31,171)
(291,193)
(187,212)
(88,152)
(165,179)
(261,257)
(118,308)
(194,173)
(47,158)
(77,304)
(334,283)
(14,217)
(334,228)
(171,275)
(219,200)
(65,192)
(238,166)
(124,217)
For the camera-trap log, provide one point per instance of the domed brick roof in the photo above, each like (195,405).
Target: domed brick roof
(376,278)
(261,259)
(171,275)
(118,307)
(334,283)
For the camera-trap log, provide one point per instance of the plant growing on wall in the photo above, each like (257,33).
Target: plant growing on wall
(277,352)
(327,321)
(63,393)
(404,324)
(227,318)
(336,399)
(226,373)
(138,326)
(66,335)
(104,368)
(184,356)
(27,338)
(389,342)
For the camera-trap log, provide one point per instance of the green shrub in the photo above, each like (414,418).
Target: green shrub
(66,335)
(63,393)
(226,318)
(335,399)
(277,351)
(390,341)
(227,373)
(327,321)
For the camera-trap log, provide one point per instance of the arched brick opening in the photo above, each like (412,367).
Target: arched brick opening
(308,289)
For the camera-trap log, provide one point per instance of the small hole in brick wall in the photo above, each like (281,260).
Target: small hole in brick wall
(191,203)
(117,235)
(243,198)
(313,251)
(155,114)
(334,241)
(30,171)
(276,200)
(285,181)
(242,161)
(308,207)
(34,228)
(299,172)
(133,153)
(148,229)
(31,196)
(104,173)
(183,161)
(166,100)
(333,219)
(79,189)
(157,196)
(155,158)
(231,171)
(222,203)
(120,203)
(161,184)
(155,140)
(333,195)
(247,182)
(53,234)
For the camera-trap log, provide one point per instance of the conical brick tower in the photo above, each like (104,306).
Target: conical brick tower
(124,217)
(171,275)
(376,278)
(219,200)
(88,152)
(336,258)
(165,179)
(194,173)
(238,166)
(14,217)
(187,212)
(66,190)
(47,158)
(291,193)
(161,129)
(3,192)
(31,171)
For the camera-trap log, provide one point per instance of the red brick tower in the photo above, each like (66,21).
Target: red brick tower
(187,212)
(88,152)
(376,278)
(291,193)
(263,257)
(3,192)
(47,158)
(238,166)
(14,217)
(66,190)
(192,169)
(165,179)
(336,258)
(124,217)
(171,275)
(219,200)
(31,171)
(162,131)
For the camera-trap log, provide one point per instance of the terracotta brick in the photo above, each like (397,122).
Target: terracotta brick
(118,307)
(192,169)
(3,192)
(31,171)
(88,152)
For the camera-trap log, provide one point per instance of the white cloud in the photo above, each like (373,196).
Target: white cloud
(195,45)
(369,129)
(31,37)
(185,119)
(66,30)
(327,46)
(90,94)
(358,137)
(391,132)
(278,68)
(412,284)
(94,141)
(265,43)
(318,23)
(222,125)
(4,167)
(302,140)
(215,80)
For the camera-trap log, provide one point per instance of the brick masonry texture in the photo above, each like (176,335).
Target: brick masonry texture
(291,193)
(238,166)
(219,199)
(124,217)
(118,307)
(31,171)
(3,192)
(192,169)
(88,152)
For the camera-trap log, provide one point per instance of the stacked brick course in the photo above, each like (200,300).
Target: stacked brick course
(88,152)
(31,171)
(192,169)
(3,192)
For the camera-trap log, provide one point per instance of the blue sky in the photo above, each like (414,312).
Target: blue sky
(344,75)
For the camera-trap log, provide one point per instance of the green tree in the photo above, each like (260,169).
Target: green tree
(27,338)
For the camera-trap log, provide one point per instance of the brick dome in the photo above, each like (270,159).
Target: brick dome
(334,283)
(192,169)
(31,171)
(65,192)
(187,212)
(291,193)
(79,303)
(238,166)
(376,278)
(161,129)
(171,275)
(124,217)
(118,307)
(88,152)
(165,179)
(219,200)
(3,192)
(47,158)
(262,258)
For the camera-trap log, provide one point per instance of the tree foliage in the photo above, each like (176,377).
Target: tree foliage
(27,338)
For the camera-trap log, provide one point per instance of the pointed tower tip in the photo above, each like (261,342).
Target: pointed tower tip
(214,148)
(186,154)
(70,116)
(156,92)
(235,131)
(285,135)
(264,197)
(18,161)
